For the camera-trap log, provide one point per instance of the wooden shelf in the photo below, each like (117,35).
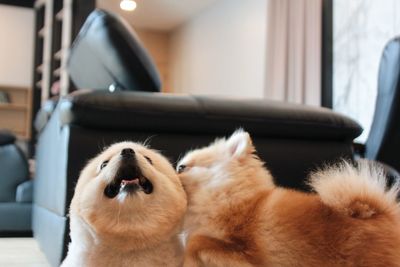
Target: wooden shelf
(9,106)
(12,88)
(16,115)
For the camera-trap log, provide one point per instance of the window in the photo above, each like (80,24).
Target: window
(361,28)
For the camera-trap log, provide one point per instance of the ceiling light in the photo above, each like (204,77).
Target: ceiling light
(128,5)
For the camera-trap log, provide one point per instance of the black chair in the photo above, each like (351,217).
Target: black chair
(383,143)
(15,189)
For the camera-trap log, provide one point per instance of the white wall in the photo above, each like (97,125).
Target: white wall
(16,45)
(221,51)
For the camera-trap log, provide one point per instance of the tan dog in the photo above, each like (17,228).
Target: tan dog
(127,210)
(237,216)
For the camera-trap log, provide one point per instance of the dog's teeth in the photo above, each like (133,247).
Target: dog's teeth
(123,184)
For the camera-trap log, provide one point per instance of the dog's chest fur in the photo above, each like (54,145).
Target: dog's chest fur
(87,251)
(164,255)
(156,257)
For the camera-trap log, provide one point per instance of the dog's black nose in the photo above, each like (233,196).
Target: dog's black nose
(181,168)
(127,152)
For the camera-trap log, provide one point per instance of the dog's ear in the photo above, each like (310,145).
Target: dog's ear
(240,144)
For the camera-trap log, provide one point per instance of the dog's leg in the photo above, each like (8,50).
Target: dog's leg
(208,251)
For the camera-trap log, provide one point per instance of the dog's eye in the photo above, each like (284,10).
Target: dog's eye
(104,164)
(181,168)
(149,160)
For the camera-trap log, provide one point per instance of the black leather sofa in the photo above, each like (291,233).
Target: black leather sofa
(291,139)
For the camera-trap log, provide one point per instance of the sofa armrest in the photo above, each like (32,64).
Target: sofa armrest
(188,114)
(24,192)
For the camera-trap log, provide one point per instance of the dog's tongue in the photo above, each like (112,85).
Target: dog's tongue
(126,182)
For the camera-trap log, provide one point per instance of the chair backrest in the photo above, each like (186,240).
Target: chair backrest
(383,143)
(108,54)
(14,170)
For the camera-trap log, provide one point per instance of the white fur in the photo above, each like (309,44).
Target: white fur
(121,197)
(88,250)
(239,143)
(342,185)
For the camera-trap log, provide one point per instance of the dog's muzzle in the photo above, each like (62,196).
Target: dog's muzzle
(129,177)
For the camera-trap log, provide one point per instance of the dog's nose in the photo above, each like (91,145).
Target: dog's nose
(127,152)
(181,168)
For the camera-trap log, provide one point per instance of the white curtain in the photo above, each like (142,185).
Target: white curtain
(294,51)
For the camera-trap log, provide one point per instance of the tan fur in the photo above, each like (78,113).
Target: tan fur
(237,217)
(138,230)
(354,191)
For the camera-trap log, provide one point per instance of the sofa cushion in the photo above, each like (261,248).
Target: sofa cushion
(15,217)
(157,112)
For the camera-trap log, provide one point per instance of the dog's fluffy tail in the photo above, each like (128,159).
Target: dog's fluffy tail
(358,191)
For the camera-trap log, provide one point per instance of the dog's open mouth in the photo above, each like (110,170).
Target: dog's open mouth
(128,179)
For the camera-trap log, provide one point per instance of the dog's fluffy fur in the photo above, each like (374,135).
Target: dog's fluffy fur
(237,216)
(128,228)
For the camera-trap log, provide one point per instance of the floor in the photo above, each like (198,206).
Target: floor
(21,252)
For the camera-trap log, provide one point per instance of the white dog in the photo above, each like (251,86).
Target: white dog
(127,210)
